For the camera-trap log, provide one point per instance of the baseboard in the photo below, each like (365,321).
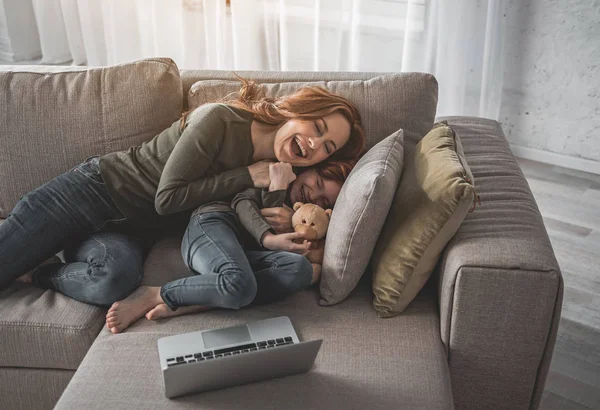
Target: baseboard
(547,157)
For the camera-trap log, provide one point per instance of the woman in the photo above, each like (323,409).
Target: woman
(236,256)
(98,210)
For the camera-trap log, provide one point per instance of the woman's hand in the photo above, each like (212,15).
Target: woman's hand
(279,218)
(285,242)
(281,175)
(259,172)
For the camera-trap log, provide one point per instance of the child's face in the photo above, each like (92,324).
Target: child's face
(310,187)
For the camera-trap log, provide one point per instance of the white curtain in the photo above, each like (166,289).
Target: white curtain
(459,41)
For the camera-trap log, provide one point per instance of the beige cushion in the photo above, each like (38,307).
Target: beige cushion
(32,389)
(358,216)
(164,262)
(50,121)
(44,329)
(386,103)
(433,198)
(364,363)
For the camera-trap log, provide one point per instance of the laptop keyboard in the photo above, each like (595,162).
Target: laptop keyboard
(229,351)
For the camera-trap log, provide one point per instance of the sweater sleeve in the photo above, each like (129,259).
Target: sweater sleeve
(247,205)
(184,183)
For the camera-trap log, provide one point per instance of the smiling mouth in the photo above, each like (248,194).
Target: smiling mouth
(298,148)
(302,194)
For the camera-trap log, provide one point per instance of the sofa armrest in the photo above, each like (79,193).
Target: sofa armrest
(500,287)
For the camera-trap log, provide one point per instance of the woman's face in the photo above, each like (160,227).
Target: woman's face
(310,187)
(307,142)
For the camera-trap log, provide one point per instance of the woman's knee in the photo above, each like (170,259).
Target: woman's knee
(238,287)
(119,272)
(115,282)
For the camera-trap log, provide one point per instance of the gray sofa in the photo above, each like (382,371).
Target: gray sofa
(479,335)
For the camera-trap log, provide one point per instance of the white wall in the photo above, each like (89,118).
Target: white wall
(551,99)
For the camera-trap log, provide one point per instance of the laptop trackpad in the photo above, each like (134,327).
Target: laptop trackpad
(221,337)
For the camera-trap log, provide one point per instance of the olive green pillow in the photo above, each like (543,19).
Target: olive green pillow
(434,195)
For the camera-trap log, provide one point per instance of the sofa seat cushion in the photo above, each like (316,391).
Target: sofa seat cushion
(32,389)
(364,362)
(44,329)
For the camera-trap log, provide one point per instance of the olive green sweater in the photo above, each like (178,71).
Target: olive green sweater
(179,169)
(247,205)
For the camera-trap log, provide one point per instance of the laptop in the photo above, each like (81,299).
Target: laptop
(216,358)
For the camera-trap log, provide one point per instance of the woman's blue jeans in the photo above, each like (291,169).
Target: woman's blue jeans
(73,212)
(227,273)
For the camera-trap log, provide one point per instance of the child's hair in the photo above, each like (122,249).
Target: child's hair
(336,171)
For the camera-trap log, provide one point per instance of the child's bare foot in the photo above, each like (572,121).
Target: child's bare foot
(28,277)
(124,312)
(162,311)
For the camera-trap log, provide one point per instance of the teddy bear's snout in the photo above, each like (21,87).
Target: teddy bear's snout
(306,231)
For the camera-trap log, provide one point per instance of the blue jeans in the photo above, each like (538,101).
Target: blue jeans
(227,273)
(72,212)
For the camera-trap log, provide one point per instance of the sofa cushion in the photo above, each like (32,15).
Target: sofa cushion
(53,119)
(386,103)
(44,329)
(164,262)
(364,362)
(32,389)
(432,200)
(358,216)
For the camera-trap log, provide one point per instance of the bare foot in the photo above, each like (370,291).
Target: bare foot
(124,312)
(28,277)
(162,311)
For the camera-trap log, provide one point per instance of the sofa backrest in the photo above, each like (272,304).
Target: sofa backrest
(386,102)
(52,118)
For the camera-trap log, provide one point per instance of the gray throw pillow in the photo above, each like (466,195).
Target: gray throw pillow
(358,216)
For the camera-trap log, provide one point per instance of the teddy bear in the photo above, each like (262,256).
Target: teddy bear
(312,222)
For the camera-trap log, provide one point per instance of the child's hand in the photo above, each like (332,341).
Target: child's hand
(279,218)
(281,176)
(285,242)
(259,172)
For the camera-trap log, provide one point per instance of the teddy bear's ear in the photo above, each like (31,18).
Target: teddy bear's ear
(328,212)
(297,205)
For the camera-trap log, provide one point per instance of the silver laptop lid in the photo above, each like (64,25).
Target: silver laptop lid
(241,369)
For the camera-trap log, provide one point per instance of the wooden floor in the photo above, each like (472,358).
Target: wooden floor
(570,204)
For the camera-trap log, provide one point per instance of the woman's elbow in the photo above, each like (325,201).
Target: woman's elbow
(162,204)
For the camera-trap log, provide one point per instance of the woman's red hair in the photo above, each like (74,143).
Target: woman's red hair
(308,103)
